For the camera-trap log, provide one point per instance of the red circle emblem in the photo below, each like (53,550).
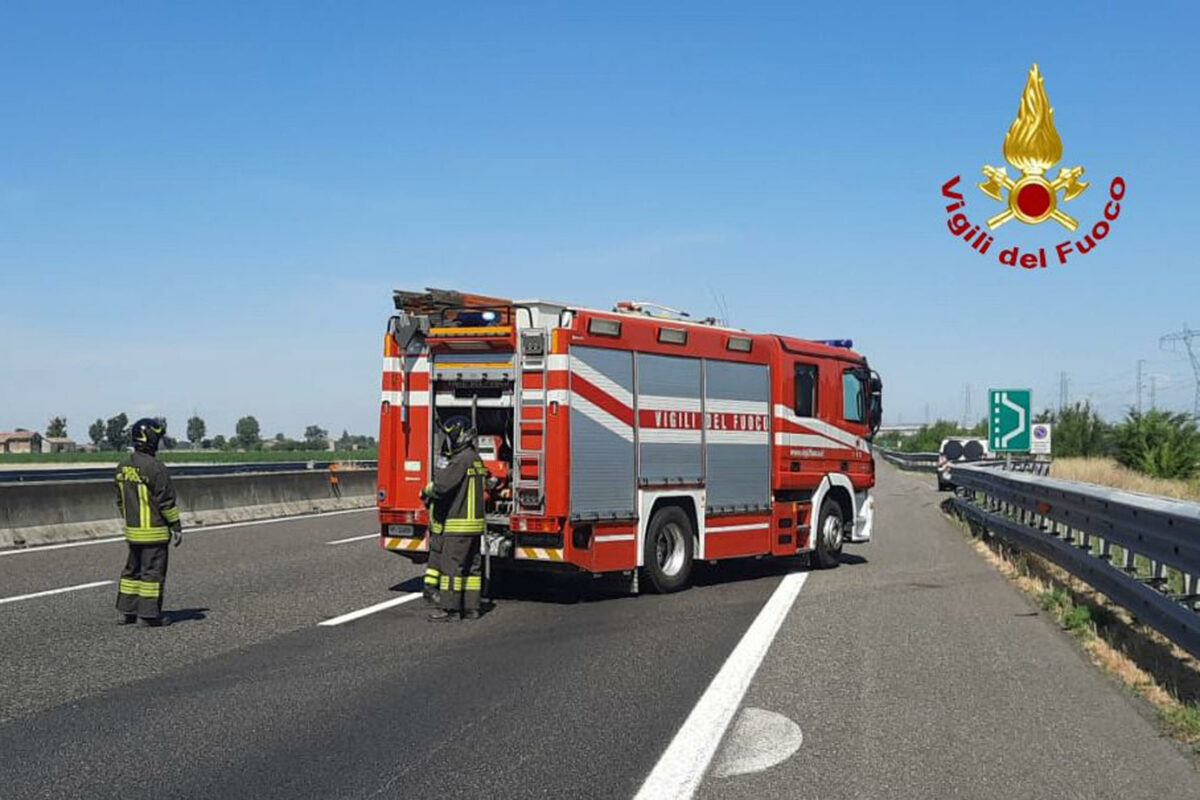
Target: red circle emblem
(1033,200)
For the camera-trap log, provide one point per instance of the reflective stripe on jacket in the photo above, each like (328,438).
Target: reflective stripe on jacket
(146,499)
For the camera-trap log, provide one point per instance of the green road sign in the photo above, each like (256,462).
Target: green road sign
(1010,418)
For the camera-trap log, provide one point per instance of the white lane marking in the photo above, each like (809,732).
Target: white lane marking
(355,539)
(678,773)
(48,592)
(362,612)
(41,548)
(760,739)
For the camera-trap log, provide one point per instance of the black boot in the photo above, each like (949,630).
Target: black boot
(471,614)
(127,619)
(155,622)
(442,615)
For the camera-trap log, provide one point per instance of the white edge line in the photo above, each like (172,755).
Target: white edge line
(355,539)
(92,585)
(678,773)
(41,548)
(362,612)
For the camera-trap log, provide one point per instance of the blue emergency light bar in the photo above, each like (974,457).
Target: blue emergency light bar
(846,343)
(478,317)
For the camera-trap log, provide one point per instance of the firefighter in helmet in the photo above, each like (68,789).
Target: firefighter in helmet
(146,499)
(456,515)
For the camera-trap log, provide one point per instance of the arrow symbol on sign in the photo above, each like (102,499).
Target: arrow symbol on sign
(1006,438)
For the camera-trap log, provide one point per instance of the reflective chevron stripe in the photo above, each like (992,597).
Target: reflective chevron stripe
(404,543)
(539,554)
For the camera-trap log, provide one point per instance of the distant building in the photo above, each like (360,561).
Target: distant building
(58,444)
(21,442)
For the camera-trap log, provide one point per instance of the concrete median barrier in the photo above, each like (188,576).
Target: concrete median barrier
(63,511)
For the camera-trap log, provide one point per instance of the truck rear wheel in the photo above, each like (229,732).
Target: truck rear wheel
(829,533)
(667,557)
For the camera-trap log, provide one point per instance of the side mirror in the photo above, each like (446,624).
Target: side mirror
(875,414)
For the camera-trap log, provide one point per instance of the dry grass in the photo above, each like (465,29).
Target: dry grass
(1116,642)
(1106,472)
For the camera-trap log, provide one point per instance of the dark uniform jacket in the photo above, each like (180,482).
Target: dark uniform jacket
(146,499)
(457,492)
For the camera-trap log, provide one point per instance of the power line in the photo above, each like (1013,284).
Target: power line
(1141,362)
(1186,336)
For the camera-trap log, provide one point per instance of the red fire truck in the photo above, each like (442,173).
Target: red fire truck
(631,441)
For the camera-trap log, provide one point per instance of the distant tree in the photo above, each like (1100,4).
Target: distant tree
(928,439)
(96,432)
(195,429)
(1159,443)
(1079,431)
(116,433)
(206,444)
(57,428)
(248,433)
(316,436)
(280,438)
(218,442)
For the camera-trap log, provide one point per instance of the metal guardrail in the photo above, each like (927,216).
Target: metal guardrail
(178,470)
(1131,547)
(926,462)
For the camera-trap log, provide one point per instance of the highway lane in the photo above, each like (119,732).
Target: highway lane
(913,670)
(924,673)
(228,587)
(542,697)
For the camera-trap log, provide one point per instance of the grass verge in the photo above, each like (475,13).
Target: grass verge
(1141,658)
(1107,472)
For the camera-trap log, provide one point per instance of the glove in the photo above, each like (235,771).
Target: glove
(176,536)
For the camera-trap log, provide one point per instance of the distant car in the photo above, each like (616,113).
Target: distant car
(956,450)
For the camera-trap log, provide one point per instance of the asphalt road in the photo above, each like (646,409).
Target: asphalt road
(913,670)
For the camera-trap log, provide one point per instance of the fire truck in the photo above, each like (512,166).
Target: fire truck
(635,441)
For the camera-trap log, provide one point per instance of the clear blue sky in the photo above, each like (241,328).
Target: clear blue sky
(206,206)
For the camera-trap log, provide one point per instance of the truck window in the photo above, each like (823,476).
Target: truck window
(854,405)
(806,390)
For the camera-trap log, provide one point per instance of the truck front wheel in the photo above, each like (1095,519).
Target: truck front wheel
(667,554)
(830,528)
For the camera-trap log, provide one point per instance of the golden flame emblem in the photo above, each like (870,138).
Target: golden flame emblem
(1033,146)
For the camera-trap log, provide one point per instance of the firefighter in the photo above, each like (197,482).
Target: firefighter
(147,503)
(433,567)
(457,514)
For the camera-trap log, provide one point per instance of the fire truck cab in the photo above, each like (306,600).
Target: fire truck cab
(632,441)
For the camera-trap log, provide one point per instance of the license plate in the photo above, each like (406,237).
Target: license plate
(400,530)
